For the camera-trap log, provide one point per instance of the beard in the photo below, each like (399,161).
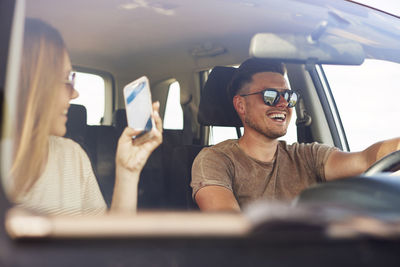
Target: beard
(265,130)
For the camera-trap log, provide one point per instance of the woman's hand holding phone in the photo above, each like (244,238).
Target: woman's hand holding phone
(132,154)
(130,159)
(137,142)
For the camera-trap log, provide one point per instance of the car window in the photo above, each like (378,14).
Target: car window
(173,116)
(367,99)
(91,88)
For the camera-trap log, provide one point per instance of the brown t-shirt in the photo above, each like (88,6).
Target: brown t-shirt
(295,167)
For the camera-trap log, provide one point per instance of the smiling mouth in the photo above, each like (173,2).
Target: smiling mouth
(280,117)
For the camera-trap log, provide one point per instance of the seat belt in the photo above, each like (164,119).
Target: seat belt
(303,122)
(238,132)
(187,135)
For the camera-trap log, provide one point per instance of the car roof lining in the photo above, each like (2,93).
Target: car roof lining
(135,48)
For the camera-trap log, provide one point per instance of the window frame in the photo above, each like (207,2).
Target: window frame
(109,91)
(328,106)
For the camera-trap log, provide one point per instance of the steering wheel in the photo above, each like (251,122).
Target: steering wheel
(390,162)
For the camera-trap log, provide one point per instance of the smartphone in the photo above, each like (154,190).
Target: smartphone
(138,105)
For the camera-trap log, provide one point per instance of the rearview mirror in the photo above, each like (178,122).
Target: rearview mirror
(303,49)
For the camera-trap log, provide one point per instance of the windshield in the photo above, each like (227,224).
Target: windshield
(63,140)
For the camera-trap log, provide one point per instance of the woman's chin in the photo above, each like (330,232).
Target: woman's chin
(59,131)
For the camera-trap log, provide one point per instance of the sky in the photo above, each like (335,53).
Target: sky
(391,6)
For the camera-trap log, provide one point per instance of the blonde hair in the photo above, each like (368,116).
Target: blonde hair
(41,74)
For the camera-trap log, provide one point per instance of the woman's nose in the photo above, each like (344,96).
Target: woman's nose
(75,94)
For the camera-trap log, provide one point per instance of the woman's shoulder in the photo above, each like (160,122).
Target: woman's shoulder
(62,141)
(69,153)
(64,145)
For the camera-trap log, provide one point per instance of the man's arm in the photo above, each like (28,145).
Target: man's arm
(212,181)
(216,198)
(343,164)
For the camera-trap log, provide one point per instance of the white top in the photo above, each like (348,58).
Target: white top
(68,185)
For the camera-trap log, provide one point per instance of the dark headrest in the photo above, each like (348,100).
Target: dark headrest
(215,107)
(119,120)
(76,123)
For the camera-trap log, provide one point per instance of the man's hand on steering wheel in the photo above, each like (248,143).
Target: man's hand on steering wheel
(389,163)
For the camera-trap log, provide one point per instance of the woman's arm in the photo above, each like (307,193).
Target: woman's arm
(130,159)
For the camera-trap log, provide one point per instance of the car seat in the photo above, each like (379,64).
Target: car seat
(76,124)
(119,121)
(99,142)
(215,109)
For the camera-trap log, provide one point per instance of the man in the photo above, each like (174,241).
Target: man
(236,172)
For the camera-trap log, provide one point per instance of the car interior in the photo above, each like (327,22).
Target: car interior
(199,45)
(203,63)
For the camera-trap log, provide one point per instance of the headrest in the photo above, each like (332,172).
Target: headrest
(119,120)
(215,107)
(76,123)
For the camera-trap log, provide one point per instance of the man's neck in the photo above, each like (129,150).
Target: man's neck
(258,146)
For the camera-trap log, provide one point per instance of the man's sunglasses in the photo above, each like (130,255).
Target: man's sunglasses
(272,96)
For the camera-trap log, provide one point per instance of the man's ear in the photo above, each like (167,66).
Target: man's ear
(239,105)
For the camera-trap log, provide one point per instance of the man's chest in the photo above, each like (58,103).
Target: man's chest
(274,182)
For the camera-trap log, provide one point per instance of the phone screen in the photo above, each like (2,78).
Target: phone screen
(138,105)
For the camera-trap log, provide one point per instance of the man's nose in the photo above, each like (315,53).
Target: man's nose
(282,103)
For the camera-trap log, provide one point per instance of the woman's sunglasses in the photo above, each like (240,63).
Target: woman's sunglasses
(70,82)
(71,79)
(272,96)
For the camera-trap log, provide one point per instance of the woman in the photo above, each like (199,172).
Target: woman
(52,174)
